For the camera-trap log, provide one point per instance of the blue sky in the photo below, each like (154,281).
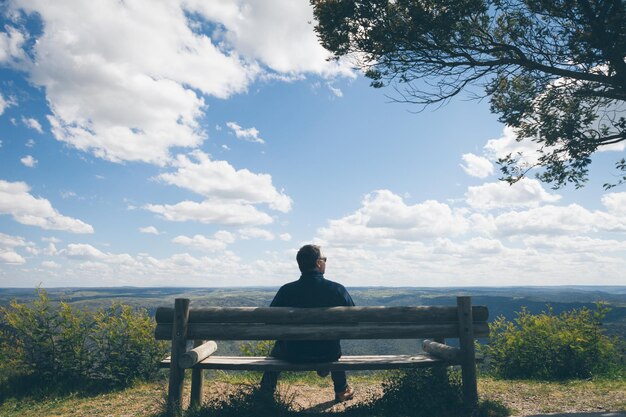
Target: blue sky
(202,143)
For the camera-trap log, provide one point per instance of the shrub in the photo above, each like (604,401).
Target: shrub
(425,392)
(124,349)
(47,341)
(256,348)
(547,346)
(417,392)
(248,402)
(59,345)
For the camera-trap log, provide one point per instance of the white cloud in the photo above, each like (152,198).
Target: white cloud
(149,230)
(124,80)
(285,237)
(11,42)
(256,233)
(336,91)
(525,193)
(224,236)
(30,143)
(551,244)
(33,124)
(250,134)
(86,252)
(278,33)
(384,216)
(32,250)
(50,265)
(4,102)
(29,161)
(473,247)
(16,201)
(68,194)
(120,76)
(212,212)
(219,242)
(83,251)
(577,244)
(220,180)
(508,144)
(51,250)
(615,203)
(12,258)
(8,246)
(556,220)
(476,166)
(8,241)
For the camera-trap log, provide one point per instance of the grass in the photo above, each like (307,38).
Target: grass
(535,397)
(310,392)
(141,400)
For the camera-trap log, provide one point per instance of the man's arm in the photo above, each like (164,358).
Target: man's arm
(346,296)
(278,300)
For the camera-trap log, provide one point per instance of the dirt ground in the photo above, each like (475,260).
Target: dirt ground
(525,399)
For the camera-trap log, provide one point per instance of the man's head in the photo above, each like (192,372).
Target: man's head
(310,257)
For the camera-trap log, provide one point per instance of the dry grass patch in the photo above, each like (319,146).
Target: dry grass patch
(535,397)
(142,400)
(315,395)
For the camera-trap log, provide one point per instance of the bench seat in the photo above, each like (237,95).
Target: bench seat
(345,363)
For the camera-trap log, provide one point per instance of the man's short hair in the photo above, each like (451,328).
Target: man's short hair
(307,257)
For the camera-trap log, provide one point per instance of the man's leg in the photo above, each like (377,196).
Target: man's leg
(269,381)
(343,391)
(339,380)
(270,378)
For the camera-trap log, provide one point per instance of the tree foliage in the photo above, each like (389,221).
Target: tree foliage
(552,69)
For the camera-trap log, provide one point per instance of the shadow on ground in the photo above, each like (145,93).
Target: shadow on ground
(602,414)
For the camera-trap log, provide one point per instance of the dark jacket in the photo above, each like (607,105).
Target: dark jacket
(311,290)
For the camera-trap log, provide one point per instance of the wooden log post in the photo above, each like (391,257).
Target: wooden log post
(196,380)
(439,349)
(440,372)
(179,346)
(318,331)
(468,356)
(200,352)
(337,315)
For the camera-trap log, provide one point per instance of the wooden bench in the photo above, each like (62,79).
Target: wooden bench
(180,324)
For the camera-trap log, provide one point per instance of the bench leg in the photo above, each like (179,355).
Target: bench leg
(179,346)
(468,356)
(196,381)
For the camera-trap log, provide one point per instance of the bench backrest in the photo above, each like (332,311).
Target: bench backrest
(287,323)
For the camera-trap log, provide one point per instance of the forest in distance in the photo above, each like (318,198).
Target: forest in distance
(501,301)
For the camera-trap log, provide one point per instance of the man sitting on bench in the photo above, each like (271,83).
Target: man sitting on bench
(311,290)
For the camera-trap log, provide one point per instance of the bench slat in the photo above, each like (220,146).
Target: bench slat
(275,315)
(348,363)
(236,331)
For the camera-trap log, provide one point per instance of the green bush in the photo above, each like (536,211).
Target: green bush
(417,392)
(49,342)
(256,348)
(124,348)
(248,402)
(547,346)
(59,345)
